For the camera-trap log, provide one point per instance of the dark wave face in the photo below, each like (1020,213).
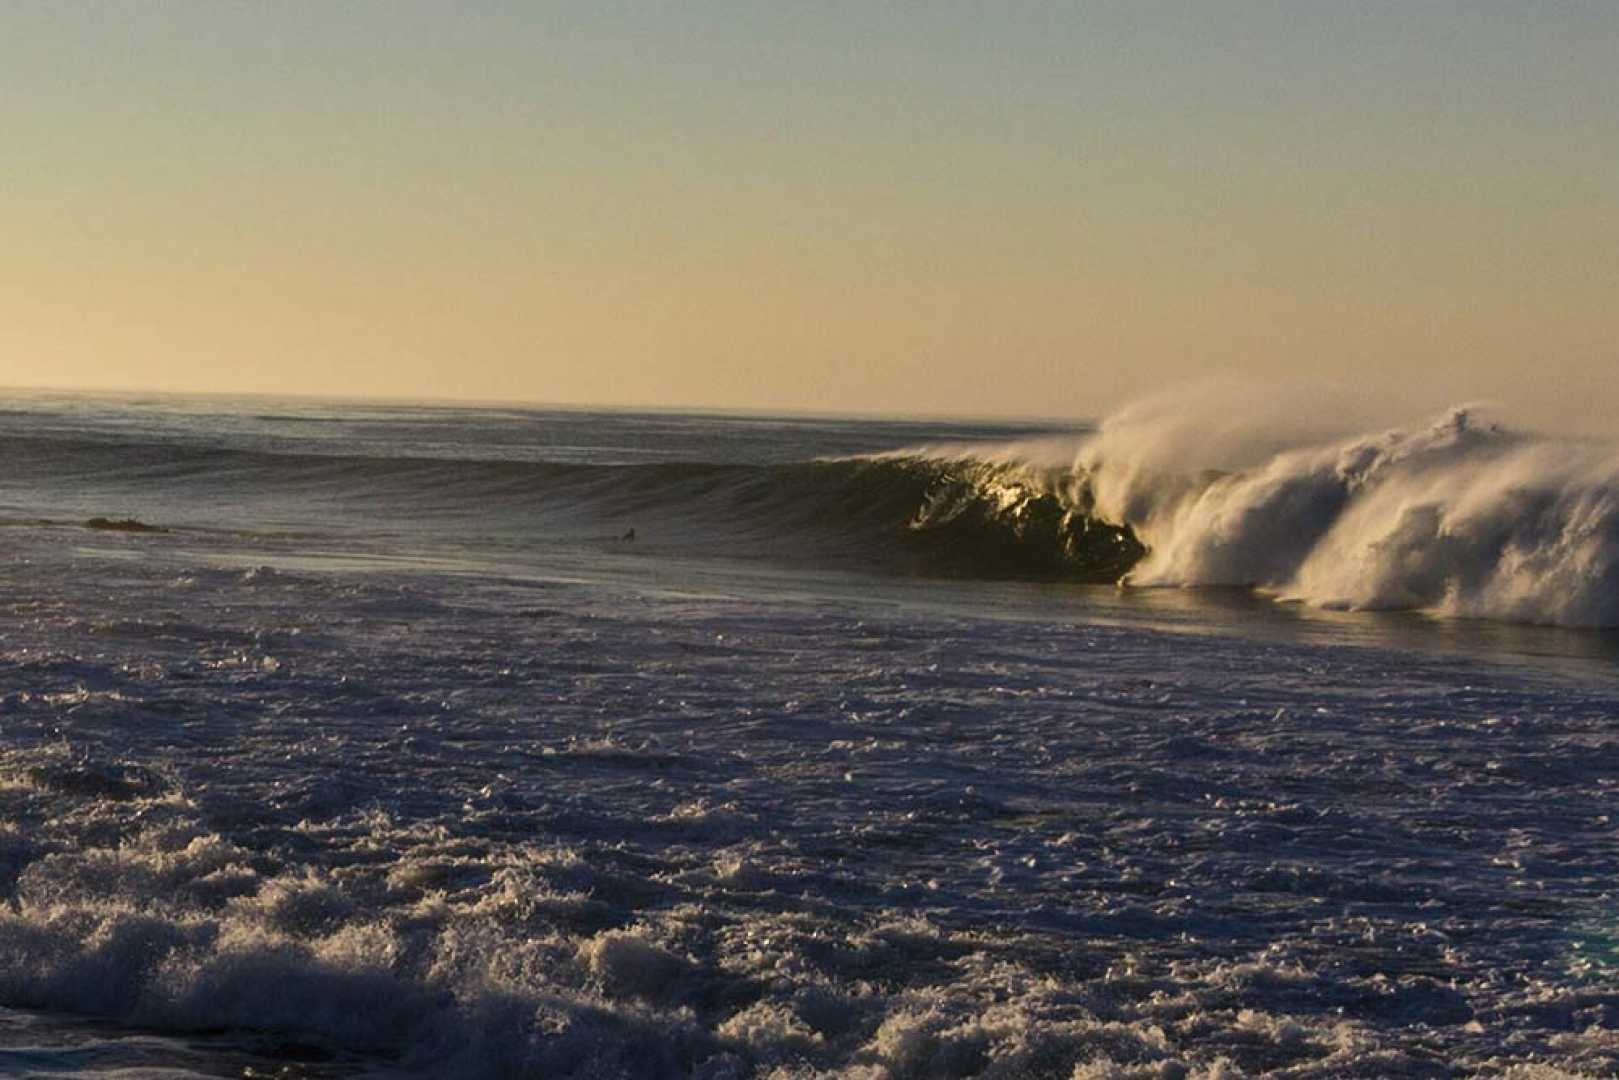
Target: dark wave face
(828,493)
(898,514)
(947,517)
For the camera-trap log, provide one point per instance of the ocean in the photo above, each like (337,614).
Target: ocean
(380,740)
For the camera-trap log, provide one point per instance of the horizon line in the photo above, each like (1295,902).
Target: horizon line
(453,401)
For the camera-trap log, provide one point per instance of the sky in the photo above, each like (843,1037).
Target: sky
(1008,208)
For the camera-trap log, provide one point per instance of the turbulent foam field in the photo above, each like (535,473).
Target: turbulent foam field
(407,821)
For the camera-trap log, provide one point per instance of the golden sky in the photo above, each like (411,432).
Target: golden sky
(939,207)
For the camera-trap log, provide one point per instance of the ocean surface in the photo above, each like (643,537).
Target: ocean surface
(400,741)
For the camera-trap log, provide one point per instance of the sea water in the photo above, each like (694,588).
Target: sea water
(345,740)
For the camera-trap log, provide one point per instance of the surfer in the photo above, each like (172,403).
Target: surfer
(628,536)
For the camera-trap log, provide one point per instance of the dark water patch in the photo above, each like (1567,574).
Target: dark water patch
(119,782)
(126,525)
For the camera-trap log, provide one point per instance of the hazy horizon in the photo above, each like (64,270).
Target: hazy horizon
(113,392)
(1040,210)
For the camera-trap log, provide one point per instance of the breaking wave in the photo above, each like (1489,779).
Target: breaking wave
(1457,516)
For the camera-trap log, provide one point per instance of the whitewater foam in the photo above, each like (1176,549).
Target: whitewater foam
(1458,517)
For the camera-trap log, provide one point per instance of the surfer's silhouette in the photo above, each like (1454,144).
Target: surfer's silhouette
(628,536)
